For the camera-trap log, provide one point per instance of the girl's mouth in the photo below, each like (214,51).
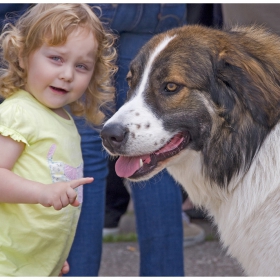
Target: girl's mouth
(58,90)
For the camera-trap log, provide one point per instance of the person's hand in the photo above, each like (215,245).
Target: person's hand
(65,269)
(61,194)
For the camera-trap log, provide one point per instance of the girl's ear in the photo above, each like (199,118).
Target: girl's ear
(21,60)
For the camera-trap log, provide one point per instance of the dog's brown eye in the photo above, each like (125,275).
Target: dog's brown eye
(171,87)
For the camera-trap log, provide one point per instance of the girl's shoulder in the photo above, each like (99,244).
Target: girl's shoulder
(21,102)
(19,97)
(22,117)
(15,102)
(24,108)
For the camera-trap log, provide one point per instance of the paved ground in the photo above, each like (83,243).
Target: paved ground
(206,259)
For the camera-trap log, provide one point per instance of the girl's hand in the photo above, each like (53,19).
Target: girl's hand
(65,269)
(61,194)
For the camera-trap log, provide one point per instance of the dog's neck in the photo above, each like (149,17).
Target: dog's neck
(261,178)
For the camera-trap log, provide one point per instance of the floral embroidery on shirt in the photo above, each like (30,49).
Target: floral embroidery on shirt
(62,172)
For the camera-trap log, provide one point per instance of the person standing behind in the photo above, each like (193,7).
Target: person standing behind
(55,55)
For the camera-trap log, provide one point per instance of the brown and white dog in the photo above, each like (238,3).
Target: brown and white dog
(205,104)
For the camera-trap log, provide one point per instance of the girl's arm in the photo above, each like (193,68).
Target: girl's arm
(15,189)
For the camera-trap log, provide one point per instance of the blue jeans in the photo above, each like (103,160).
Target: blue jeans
(157,202)
(158,210)
(85,255)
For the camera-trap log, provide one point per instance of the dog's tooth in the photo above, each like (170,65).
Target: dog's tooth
(141,162)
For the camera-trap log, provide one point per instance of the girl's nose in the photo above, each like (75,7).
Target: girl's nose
(66,74)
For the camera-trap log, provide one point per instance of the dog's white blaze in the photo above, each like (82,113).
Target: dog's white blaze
(147,71)
(138,100)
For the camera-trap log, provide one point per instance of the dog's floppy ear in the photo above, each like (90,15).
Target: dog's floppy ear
(255,83)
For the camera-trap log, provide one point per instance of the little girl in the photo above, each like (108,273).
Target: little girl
(55,55)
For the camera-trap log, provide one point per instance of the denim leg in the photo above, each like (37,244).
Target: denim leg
(85,255)
(158,208)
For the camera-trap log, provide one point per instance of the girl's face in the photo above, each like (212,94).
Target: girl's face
(59,75)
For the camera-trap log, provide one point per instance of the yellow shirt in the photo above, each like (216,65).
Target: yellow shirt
(36,240)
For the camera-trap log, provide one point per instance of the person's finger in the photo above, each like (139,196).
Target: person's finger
(76,183)
(76,203)
(71,195)
(65,200)
(65,269)
(57,205)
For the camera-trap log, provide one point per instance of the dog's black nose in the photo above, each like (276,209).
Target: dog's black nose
(113,136)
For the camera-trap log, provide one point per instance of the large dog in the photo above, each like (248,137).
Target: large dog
(205,104)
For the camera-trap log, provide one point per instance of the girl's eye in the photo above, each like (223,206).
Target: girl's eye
(81,66)
(56,58)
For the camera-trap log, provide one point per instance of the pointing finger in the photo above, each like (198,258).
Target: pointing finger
(76,183)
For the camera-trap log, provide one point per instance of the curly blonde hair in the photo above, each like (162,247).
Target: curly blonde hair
(51,24)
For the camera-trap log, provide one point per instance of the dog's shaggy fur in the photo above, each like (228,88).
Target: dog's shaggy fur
(205,104)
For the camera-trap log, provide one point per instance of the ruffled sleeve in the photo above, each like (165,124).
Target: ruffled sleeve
(16,122)
(5,131)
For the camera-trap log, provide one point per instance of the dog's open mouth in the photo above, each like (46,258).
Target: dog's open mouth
(138,166)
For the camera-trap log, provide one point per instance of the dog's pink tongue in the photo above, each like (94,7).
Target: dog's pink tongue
(126,166)
(173,144)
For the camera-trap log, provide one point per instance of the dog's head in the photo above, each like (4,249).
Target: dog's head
(212,92)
